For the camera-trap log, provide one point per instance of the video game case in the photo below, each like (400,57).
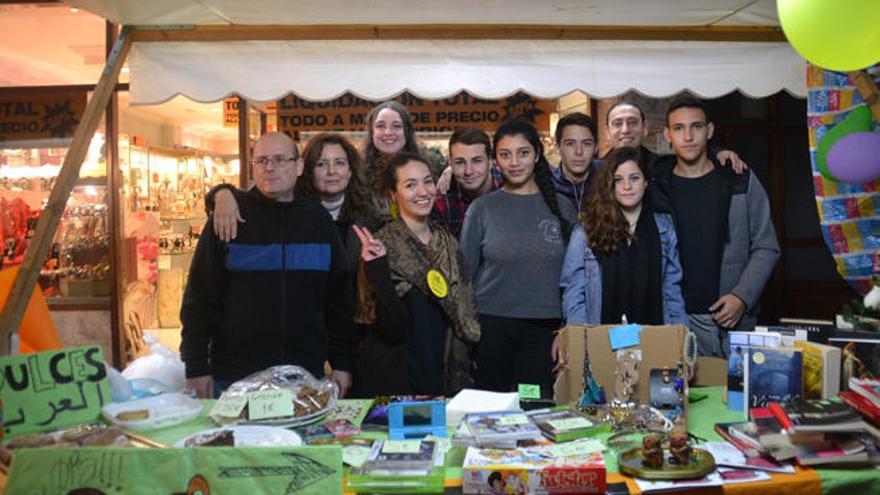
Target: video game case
(501,426)
(382,462)
(566,424)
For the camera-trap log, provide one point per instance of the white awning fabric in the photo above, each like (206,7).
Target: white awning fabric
(425,12)
(381,68)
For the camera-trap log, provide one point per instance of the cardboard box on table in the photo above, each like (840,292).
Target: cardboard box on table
(661,346)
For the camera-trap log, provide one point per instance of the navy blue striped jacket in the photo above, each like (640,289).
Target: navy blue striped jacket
(280,293)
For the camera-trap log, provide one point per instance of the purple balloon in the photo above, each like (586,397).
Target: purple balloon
(856,158)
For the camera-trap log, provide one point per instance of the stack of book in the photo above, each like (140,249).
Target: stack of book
(826,432)
(864,397)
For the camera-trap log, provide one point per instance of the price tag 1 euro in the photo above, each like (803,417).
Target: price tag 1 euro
(229,406)
(265,404)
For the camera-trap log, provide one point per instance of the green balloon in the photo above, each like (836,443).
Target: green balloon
(858,120)
(841,35)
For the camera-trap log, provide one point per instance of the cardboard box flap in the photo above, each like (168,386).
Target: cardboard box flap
(661,346)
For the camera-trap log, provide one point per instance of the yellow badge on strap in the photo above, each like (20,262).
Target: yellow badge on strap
(437,283)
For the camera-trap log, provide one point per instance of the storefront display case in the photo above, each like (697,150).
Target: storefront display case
(163,193)
(77,265)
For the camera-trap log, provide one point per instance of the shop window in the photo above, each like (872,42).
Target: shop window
(35,135)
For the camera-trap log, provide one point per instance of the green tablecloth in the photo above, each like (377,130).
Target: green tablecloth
(702,417)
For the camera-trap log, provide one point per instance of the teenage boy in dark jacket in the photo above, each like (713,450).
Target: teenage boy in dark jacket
(280,293)
(725,235)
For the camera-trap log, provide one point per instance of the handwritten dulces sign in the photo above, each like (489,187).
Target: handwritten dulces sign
(209,470)
(52,389)
(349,113)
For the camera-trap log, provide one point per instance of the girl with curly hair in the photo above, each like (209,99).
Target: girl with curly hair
(622,259)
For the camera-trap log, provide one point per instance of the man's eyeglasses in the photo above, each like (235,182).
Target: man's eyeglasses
(277,161)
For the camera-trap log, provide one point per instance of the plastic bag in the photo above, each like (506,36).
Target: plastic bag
(312,398)
(158,372)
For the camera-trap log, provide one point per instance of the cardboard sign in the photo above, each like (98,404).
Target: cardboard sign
(52,389)
(290,470)
(349,113)
(230,112)
(46,115)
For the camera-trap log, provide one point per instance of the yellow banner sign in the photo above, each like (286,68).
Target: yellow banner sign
(230,112)
(45,115)
(349,113)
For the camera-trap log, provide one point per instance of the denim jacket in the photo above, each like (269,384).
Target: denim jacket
(581,279)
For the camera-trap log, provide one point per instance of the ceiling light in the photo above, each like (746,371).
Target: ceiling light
(74,10)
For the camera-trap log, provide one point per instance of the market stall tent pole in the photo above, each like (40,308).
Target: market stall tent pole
(26,280)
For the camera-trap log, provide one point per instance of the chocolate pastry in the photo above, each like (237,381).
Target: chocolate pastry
(222,438)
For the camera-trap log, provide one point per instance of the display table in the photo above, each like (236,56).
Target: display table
(701,421)
(702,417)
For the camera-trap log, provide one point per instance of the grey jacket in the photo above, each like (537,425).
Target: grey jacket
(751,249)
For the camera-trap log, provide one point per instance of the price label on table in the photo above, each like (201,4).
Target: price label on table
(528,391)
(567,424)
(402,446)
(229,406)
(513,419)
(577,447)
(266,404)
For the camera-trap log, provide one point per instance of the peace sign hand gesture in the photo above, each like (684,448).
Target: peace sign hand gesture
(371,248)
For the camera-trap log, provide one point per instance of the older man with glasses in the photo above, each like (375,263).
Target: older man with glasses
(280,293)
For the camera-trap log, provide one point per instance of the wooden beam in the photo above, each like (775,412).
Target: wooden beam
(458,32)
(26,279)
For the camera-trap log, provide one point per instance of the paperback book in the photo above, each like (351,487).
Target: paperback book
(821,370)
(859,355)
(773,374)
(736,362)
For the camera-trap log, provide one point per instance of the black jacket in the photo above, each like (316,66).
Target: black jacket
(280,293)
